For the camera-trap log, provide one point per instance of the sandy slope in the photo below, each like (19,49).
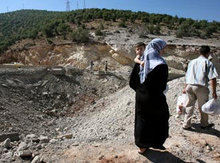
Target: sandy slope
(104,132)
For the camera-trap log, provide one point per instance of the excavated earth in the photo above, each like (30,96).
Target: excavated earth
(29,95)
(56,114)
(55,108)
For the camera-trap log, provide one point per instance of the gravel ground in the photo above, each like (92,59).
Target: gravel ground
(84,116)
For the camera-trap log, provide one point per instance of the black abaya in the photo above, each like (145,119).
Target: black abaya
(151,109)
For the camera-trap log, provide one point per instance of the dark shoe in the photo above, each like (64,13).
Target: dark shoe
(207,127)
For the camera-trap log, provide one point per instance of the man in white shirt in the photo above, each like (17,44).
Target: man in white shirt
(199,72)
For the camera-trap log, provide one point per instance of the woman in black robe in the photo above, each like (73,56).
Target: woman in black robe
(151,109)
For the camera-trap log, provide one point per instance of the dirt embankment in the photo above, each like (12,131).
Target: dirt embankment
(29,96)
(65,114)
(116,49)
(70,115)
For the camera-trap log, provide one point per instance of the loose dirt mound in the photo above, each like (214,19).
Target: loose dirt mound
(104,133)
(82,116)
(31,96)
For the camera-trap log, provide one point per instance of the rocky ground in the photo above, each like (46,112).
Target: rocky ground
(70,115)
(52,113)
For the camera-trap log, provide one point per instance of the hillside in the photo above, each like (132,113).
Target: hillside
(80,37)
(76,25)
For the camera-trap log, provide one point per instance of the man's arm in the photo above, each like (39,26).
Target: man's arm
(213,86)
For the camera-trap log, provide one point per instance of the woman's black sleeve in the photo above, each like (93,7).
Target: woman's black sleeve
(134,77)
(157,79)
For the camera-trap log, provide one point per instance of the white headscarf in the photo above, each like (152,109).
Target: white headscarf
(151,57)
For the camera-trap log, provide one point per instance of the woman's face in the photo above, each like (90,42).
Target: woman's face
(162,51)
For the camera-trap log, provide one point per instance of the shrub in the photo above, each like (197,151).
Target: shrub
(98,32)
(80,35)
(101,26)
(150,28)
(122,24)
(49,41)
(48,31)
(186,30)
(63,29)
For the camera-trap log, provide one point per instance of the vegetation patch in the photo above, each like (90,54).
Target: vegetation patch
(76,25)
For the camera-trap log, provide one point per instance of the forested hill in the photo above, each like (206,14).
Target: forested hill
(77,24)
(23,24)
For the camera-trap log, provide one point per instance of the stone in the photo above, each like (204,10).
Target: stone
(7,143)
(36,159)
(101,157)
(27,154)
(75,144)
(44,139)
(11,136)
(67,136)
(22,146)
(52,141)
(7,156)
(32,138)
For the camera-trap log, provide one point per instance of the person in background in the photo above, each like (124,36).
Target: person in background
(106,66)
(151,109)
(199,72)
(139,49)
(91,65)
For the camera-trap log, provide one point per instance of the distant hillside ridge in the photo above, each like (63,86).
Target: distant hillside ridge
(77,25)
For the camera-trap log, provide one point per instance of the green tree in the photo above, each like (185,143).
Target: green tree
(63,29)
(80,35)
(48,31)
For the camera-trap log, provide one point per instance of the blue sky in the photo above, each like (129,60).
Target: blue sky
(195,9)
